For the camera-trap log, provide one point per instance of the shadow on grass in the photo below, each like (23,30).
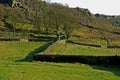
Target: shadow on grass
(114,69)
(29,57)
(84,44)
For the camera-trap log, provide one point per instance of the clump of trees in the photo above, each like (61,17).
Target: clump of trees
(47,18)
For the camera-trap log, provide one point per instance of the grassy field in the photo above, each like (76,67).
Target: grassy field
(76,49)
(86,50)
(14,67)
(54,71)
(15,51)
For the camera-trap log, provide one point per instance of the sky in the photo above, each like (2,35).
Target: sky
(107,7)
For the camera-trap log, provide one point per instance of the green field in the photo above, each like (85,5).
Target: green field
(15,51)
(14,67)
(54,71)
(76,49)
(38,20)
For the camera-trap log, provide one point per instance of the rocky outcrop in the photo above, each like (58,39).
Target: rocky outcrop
(85,11)
(16,3)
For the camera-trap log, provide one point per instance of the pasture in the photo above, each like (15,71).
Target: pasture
(14,66)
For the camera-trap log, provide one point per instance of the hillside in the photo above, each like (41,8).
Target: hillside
(114,20)
(45,18)
(85,45)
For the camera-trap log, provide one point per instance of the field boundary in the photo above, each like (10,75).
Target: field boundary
(113,46)
(92,60)
(85,44)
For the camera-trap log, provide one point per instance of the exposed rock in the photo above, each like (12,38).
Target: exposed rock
(85,11)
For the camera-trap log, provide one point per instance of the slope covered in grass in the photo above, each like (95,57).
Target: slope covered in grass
(82,49)
(13,66)
(53,19)
(13,51)
(35,17)
(53,71)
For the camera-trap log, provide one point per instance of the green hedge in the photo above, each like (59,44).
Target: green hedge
(92,60)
